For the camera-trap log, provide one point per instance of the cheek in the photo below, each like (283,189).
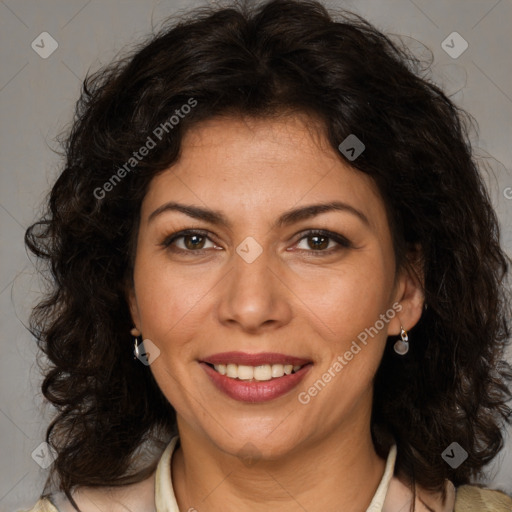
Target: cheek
(352,339)
(342,303)
(171,307)
(169,300)
(347,318)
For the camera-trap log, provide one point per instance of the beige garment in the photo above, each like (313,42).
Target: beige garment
(475,499)
(391,494)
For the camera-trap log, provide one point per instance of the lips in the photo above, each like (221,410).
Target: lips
(255,390)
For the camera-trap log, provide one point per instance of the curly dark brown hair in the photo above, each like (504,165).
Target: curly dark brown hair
(262,60)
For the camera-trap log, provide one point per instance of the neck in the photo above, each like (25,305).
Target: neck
(339,472)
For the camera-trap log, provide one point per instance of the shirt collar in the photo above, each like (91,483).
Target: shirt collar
(382,490)
(165,500)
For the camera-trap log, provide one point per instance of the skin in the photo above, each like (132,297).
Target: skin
(318,456)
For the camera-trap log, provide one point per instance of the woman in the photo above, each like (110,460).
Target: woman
(274,257)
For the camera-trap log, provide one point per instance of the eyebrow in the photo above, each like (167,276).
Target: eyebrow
(290,217)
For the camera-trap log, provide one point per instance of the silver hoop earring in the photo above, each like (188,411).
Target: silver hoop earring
(136,344)
(401,347)
(137,340)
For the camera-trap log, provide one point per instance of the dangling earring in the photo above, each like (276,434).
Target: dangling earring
(137,338)
(402,345)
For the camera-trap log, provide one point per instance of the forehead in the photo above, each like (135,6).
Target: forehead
(262,164)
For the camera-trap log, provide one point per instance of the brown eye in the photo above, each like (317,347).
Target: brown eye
(194,241)
(318,242)
(188,241)
(321,242)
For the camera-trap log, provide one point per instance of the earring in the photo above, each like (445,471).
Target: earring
(402,345)
(137,338)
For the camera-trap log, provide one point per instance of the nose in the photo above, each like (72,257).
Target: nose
(253,296)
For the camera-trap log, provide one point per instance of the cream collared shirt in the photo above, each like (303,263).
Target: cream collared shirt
(391,494)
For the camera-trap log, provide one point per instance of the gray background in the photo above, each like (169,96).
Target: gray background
(36,103)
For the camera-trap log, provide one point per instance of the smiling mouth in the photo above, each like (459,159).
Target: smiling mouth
(264,372)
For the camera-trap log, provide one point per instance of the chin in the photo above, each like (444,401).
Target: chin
(255,442)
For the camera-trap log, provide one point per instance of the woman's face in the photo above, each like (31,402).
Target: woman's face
(252,280)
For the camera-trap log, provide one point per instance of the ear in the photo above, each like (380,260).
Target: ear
(131,298)
(409,293)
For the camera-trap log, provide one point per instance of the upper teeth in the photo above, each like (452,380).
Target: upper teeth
(263,372)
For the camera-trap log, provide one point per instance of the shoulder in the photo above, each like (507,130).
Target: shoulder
(471,498)
(43,505)
(139,496)
(465,498)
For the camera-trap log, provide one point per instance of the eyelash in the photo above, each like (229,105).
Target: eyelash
(343,243)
